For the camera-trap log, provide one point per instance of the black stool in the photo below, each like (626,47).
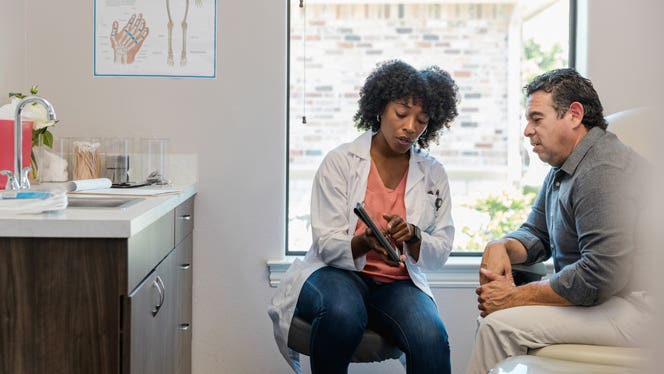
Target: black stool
(372,348)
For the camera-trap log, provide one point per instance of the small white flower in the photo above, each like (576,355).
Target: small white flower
(40,124)
(8,111)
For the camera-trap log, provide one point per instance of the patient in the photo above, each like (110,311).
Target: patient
(586,217)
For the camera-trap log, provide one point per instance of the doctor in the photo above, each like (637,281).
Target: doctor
(346,281)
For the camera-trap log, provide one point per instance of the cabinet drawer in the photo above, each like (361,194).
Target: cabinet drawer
(184,270)
(184,220)
(147,248)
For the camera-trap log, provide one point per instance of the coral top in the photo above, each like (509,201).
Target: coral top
(381,199)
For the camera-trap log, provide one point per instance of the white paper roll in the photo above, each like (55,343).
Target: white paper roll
(89,184)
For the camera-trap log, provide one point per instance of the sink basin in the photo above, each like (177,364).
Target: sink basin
(101,202)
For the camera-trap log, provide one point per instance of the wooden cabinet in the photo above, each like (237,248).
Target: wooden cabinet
(99,305)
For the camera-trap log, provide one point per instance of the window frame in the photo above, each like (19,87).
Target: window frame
(572,54)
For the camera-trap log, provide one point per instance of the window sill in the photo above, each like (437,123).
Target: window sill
(458,272)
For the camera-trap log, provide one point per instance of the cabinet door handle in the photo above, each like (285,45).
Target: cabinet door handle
(163,287)
(184,326)
(156,284)
(185,217)
(185,266)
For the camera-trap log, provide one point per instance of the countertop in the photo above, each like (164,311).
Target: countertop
(75,222)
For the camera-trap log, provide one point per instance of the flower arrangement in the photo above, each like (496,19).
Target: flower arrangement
(41,121)
(41,125)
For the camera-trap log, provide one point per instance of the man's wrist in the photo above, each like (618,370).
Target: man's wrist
(516,251)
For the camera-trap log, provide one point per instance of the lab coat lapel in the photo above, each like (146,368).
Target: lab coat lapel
(361,149)
(415,178)
(415,174)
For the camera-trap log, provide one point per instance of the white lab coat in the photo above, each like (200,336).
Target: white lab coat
(340,183)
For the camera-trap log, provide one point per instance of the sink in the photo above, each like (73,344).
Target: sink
(102,202)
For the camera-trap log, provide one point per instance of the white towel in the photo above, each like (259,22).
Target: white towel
(56,200)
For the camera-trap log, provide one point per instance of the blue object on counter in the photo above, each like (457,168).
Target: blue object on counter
(7,195)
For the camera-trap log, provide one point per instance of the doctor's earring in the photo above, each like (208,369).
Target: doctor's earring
(378,118)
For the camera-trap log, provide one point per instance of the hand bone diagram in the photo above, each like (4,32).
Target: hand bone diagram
(128,41)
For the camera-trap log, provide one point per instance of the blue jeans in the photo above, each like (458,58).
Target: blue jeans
(340,304)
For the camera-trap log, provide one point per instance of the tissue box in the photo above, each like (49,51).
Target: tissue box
(7,146)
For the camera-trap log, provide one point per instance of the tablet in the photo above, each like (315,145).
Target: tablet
(392,252)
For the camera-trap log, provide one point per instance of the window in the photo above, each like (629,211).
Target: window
(491,49)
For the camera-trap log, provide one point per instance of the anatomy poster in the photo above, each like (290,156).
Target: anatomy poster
(167,38)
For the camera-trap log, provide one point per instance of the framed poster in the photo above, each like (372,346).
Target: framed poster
(167,38)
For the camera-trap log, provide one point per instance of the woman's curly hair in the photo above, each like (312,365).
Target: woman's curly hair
(432,88)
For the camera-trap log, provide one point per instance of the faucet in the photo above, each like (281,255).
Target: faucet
(18,179)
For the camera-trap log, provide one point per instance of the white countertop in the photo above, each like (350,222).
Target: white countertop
(75,222)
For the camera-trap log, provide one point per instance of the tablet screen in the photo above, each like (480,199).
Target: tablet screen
(362,212)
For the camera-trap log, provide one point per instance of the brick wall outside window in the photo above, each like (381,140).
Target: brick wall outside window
(333,47)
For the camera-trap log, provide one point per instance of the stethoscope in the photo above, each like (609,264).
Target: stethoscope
(439,202)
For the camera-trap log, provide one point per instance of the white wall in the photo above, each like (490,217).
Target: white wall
(625,52)
(235,124)
(12,47)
